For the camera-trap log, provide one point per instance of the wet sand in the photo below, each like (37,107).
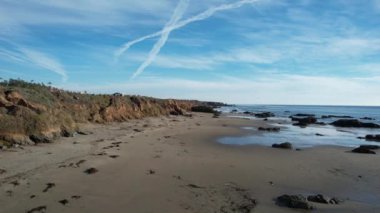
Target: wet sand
(173,164)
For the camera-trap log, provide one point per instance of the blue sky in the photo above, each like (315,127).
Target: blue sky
(235,51)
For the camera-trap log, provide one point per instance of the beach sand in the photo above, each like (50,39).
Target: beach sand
(174,164)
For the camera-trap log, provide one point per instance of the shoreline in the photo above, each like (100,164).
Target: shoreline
(175,164)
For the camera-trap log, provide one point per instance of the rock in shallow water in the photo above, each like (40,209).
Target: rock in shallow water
(354,123)
(285,145)
(373,138)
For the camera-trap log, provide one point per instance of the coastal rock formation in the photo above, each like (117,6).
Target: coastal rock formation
(367,118)
(34,113)
(285,145)
(294,201)
(373,138)
(304,121)
(264,115)
(335,116)
(354,123)
(206,109)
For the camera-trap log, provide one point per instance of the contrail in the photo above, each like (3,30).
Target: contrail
(164,33)
(177,15)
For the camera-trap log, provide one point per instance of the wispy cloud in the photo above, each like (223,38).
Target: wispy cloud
(274,89)
(44,61)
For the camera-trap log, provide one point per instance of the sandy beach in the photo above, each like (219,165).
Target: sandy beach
(174,164)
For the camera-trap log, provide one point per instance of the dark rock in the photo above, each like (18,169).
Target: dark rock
(304,121)
(363,150)
(40,139)
(373,138)
(2,171)
(234,111)
(67,133)
(63,202)
(369,146)
(247,113)
(367,118)
(174,113)
(320,123)
(285,145)
(264,115)
(335,116)
(335,200)
(318,134)
(354,123)
(194,186)
(269,129)
(206,109)
(318,199)
(76,197)
(294,201)
(217,114)
(37,209)
(91,171)
(304,115)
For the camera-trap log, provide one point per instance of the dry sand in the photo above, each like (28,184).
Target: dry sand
(173,164)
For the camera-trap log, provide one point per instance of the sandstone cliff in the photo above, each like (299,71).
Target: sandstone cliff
(34,113)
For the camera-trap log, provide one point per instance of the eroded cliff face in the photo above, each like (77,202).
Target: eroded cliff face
(33,113)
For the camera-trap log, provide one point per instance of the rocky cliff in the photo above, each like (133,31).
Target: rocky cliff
(34,113)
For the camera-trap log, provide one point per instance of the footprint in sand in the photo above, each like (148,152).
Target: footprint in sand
(37,209)
(48,186)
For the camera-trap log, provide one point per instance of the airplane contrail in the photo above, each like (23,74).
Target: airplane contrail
(177,15)
(164,33)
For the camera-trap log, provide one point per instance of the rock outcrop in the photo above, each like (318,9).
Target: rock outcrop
(354,123)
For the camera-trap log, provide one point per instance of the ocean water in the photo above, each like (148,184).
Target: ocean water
(305,137)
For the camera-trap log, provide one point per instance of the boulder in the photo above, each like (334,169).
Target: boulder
(285,145)
(354,123)
(294,201)
(373,147)
(264,115)
(206,109)
(304,121)
(373,138)
(363,150)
